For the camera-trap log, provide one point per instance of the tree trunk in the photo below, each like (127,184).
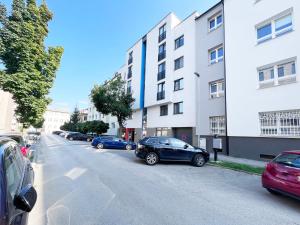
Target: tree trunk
(121,127)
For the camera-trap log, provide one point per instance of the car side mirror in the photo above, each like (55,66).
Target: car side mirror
(185,146)
(26,199)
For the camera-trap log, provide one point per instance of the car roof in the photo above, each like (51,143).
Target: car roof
(296,152)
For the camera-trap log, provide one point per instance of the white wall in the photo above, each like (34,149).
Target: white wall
(243,56)
(54,119)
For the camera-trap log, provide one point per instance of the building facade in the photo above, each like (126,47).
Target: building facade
(262,78)
(211,74)
(54,119)
(8,120)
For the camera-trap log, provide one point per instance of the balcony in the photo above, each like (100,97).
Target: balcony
(162,36)
(160,95)
(129,75)
(130,60)
(161,75)
(161,55)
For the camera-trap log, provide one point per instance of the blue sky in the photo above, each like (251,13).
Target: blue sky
(96,34)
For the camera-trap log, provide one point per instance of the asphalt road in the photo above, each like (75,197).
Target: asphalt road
(79,185)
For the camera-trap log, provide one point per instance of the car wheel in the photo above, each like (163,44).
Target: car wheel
(151,158)
(100,146)
(273,192)
(198,160)
(71,139)
(128,147)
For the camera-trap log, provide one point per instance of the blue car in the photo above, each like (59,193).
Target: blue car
(113,143)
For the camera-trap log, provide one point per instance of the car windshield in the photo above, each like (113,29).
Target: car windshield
(292,160)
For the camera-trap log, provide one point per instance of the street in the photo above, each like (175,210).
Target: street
(79,185)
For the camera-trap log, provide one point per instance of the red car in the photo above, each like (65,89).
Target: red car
(282,175)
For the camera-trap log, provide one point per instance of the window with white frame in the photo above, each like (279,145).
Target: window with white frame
(217,125)
(216,89)
(283,72)
(216,55)
(275,27)
(281,123)
(215,22)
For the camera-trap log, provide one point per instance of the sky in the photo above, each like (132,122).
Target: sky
(95,35)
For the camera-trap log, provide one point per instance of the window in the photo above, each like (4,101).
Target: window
(179,42)
(162,33)
(283,72)
(113,125)
(178,108)
(282,123)
(178,143)
(217,125)
(215,22)
(275,27)
(162,51)
(152,141)
(164,110)
(129,75)
(216,55)
(130,58)
(161,71)
(161,91)
(162,132)
(288,159)
(216,89)
(129,86)
(178,84)
(179,63)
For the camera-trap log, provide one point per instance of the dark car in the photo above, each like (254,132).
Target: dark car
(58,132)
(114,143)
(282,175)
(79,137)
(97,140)
(24,148)
(155,149)
(17,195)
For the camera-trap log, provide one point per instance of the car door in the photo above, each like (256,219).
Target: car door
(181,150)
(14,183)
(118,143)
(166,151)
(108,142)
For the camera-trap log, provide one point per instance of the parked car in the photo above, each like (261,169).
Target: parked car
(24,147)
(282,175)
(17,194)
(79,137)
(98,140)
(58,132)
(110,142)
(155,149)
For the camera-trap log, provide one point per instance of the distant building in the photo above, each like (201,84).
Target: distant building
(83,114)
(93,114)
(8,121)
(54,119)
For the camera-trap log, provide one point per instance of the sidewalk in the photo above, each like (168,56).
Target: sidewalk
(249,162)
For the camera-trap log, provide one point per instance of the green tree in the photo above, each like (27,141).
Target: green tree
(30,67)
(112,98)
(75,117)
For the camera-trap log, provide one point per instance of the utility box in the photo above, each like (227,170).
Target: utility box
(217,144)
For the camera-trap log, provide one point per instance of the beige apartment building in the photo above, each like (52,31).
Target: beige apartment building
(8,121)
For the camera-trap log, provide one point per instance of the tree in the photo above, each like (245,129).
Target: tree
(112,98)
(30,67)
(98,127)
(75,117)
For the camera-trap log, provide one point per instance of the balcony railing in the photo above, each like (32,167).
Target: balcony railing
(160,95)
(162,36)
(161,75)
(161,55)
(129,75)
(129,61)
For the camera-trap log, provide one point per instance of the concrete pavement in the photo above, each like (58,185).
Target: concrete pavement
(79,185)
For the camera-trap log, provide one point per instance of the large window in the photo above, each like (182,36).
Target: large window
(275,27)
(162,33)
(283,123)
(178,108)
(215,22)
(129,75)
(129,86)
(161,91)
(130,58)
(162,51)
(283,72)
(161,71)
(162,132)
(164,110)
(178,84)
(217,125)
(179,42)
(216,89)
(179,63)
(216,55)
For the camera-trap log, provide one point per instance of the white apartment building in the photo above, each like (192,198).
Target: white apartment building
(262,76)
(54,119)
(92,113)
(160,75)
(8,120)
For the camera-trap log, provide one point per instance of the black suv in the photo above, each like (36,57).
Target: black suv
(155,149)
(17,195)
(79,137)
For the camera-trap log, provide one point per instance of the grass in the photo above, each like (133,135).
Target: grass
(239,167)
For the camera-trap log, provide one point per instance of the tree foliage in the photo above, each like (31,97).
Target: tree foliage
(75,117)
(98,127)
(112,98)
(30,67)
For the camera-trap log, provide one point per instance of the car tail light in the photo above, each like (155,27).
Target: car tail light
(270,168)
